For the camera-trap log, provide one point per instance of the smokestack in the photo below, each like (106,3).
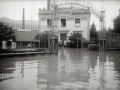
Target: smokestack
(119,12)
(23,20)
(48,4)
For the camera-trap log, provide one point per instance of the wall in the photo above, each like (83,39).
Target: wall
(70,22)
(26,35)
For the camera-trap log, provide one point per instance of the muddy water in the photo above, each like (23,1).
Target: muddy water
(72,69)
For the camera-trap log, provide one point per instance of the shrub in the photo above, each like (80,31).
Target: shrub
(96,40)
(68,44)
(75,36)
(85,44)
(93,47)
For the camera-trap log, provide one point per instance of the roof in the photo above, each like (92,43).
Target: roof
(65,11)
(26,35)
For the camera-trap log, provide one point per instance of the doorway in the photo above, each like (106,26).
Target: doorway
(63,38)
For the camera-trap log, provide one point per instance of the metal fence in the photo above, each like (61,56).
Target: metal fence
(113,40)
(27,38)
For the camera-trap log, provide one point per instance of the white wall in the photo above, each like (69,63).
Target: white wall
(70,24)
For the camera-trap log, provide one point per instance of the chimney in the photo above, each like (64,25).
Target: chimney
(119,12)
(23,20)
(48,4)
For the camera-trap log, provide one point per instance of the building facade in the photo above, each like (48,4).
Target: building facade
(65,21)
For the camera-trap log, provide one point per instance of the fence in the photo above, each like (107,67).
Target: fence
(28,37)
(113,40)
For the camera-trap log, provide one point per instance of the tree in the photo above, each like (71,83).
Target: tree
(43,38)
(6,33)
(116,23)
(110,30)
(93,32)
(73,38)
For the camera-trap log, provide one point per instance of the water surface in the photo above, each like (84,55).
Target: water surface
(72,69)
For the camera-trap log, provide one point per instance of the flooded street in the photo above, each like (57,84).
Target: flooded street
(71,69)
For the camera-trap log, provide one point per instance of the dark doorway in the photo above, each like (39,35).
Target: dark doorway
(63,37)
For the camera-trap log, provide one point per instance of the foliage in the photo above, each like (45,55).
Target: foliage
(94,40)
(85,43)
(93,47)
(6,32)
(73,39)
(116,23)
(43,38)
(93,32)
(110,30)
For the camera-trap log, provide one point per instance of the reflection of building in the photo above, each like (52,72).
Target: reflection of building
(66,21)
(47,72)
(73,67)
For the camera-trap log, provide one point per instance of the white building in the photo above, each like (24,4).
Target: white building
(66,21)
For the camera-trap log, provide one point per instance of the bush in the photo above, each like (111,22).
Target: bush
(96,40)
(93,47)
(68,44)
(85,44)
(74,38)
(6,51)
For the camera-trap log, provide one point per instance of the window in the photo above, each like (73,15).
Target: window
(63,22)
(49,22)
(77,22)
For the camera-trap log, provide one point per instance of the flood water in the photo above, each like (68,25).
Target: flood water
(71,69)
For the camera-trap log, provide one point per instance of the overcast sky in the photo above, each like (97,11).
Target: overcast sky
(13,9)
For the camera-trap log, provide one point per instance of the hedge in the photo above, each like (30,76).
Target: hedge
(93,47)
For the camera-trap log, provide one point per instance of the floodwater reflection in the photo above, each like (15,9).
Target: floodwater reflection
(71,69)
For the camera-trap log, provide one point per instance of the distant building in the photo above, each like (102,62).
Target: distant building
(66,21)
(26,36)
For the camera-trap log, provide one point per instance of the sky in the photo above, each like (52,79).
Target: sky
(13,9)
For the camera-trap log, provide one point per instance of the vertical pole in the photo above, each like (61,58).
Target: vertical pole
(101,36)
(53,26)
(23,20)
(77,42)
(39,28)
(81,42)
(119,40)
(23,25)
(99,45)
(48,4)
(103,45)
(119,12)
